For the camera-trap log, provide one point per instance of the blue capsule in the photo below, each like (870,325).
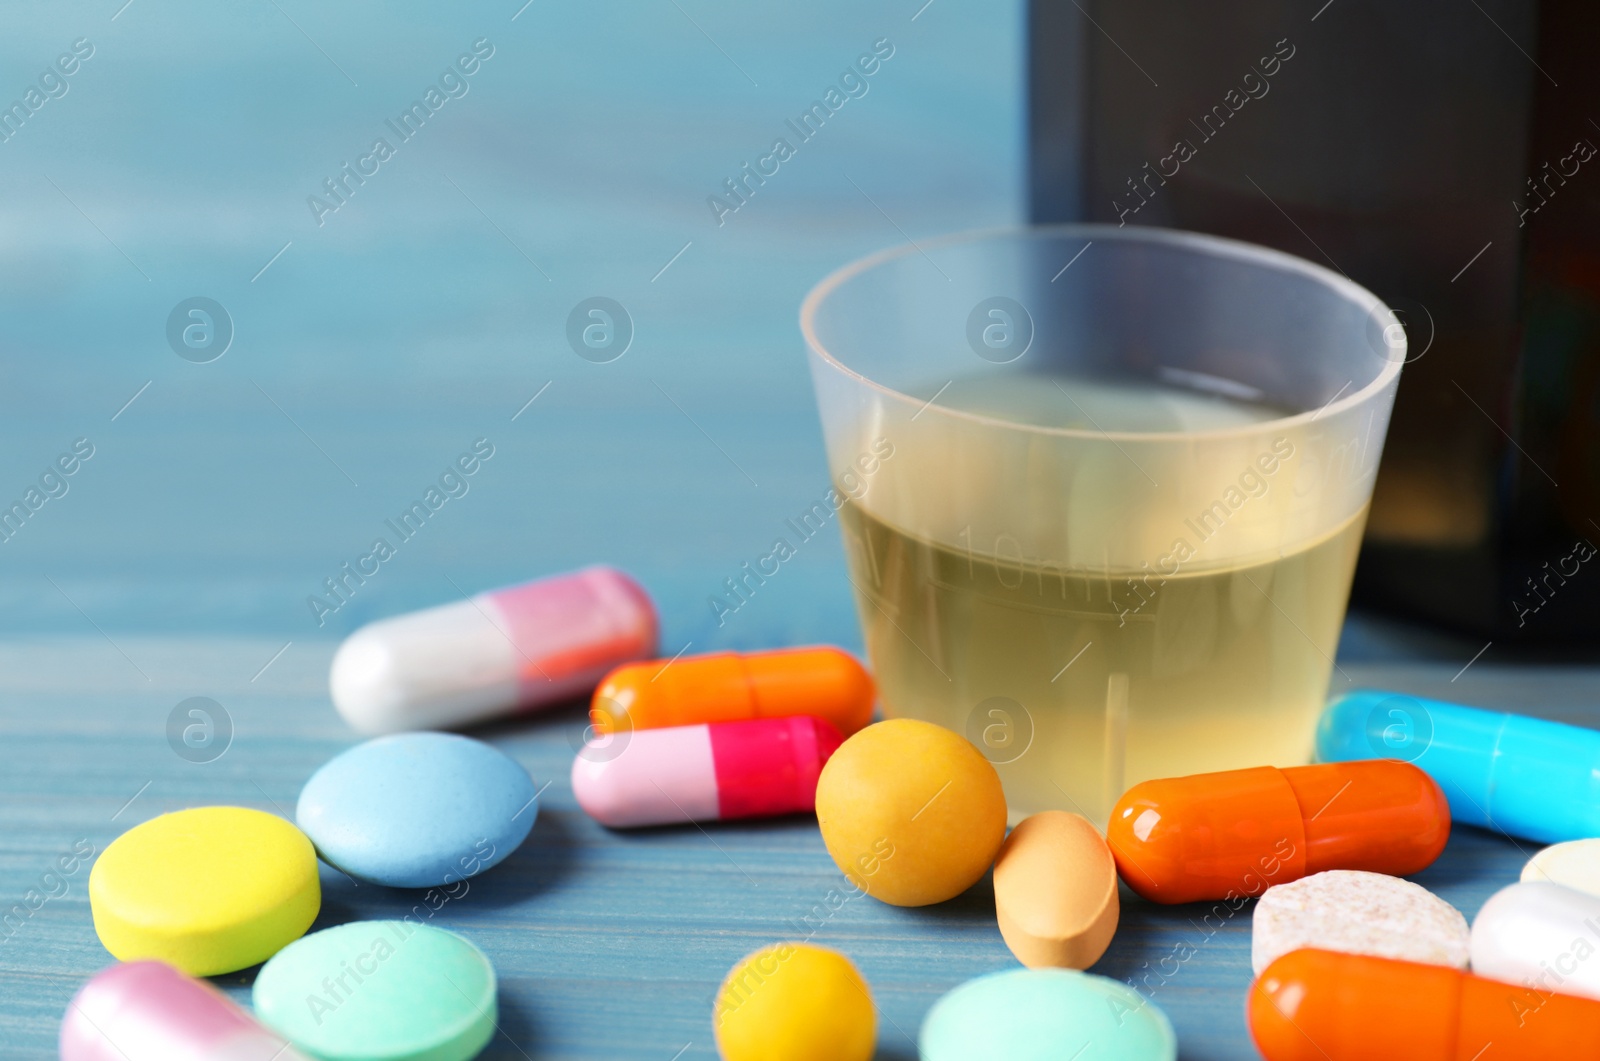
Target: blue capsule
(1516,775)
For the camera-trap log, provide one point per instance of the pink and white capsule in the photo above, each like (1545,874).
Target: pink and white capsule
(748,769)
(513,649)
(149,1011)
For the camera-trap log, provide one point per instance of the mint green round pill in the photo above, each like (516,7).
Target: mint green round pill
(380,991)
(1045,1015)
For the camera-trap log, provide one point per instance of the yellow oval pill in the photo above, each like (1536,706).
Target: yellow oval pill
(795,1002)
(208,890)
(911,812)
(1055,891)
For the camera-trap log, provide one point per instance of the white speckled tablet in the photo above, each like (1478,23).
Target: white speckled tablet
(1358,913)
(1575,864)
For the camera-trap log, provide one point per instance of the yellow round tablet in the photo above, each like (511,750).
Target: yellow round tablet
(209,890)
(795,1002)
(911,812)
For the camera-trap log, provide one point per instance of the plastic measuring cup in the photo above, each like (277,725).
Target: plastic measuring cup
(1102,491)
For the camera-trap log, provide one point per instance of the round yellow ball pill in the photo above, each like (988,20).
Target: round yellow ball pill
(795,1002)
(209,890)
(911,812)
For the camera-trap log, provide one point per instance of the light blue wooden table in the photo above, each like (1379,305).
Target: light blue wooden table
(430,310)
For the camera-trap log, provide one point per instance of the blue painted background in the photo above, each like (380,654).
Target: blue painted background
(423,313)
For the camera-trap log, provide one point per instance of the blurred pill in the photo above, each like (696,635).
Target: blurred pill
(149,1011)
(1214,836)
(752,769)
(795,1002)
(512,649)
(1317,1005)
(1540,933)
(1575,864)
(1045,1015)
(1516,775)
(731,686)
(1358,913)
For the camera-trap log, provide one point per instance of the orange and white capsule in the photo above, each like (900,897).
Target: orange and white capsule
(821,681)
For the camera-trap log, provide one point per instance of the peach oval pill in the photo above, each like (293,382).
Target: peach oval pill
(730,686)
(208,890)
(1055,891)
(795,1002)
(911,812)
(1237,832)
(514,649)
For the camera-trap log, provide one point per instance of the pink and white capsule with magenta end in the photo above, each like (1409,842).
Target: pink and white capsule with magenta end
(749,769)
(513,649)
(149,1011)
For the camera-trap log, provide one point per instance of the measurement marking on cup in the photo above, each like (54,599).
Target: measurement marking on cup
(1071,661)
(928,804)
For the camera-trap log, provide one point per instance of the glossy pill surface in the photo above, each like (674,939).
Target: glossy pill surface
(417,810)
(1055,891)
(509,650)
(1357,912)
(795,1002)
(380,991)
(149,1011)
(1237,832)
(753,769)
(1045,1015)
(731,686)
(1316,1005)
(1510,773)
(1537,932)
(1575,863)
(208,890)
(911,812)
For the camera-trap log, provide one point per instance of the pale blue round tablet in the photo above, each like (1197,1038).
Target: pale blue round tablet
(1045,1015)
(417,810)
(380,991)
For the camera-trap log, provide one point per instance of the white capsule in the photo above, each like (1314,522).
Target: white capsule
(513,649)
(1542,935)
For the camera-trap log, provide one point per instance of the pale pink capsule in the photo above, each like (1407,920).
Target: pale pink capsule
(149,1011)
(513,649)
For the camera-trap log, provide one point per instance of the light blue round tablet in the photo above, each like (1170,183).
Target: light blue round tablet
(417,810)
(1045,1015)
(380,991)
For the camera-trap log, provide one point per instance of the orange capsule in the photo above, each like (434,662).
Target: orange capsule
(730,686)
(1237,833)
(1317,1005)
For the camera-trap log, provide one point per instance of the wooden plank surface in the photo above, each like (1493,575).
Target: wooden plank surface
(609,944)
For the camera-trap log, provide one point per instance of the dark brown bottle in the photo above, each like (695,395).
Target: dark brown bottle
(1441,154)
